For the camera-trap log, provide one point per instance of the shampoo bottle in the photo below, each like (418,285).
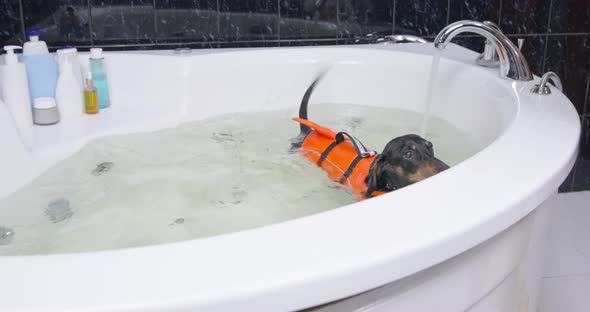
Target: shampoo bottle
(71,54)
(15,89)
(97,67)
(90,96)
(68,95)
(42,71)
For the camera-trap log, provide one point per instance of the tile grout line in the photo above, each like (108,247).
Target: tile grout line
(338,18)
(90,26)
(544,54)
(155,15)
(393,11)
(22,20)
(207,43)
(517,35)
(500,13)
(585,108)
(448,11)
(279,21)
(549,34)
(416,15)
(548,29)
(275,40)
(528,35)
(575,168)
(547,38)
(217,17)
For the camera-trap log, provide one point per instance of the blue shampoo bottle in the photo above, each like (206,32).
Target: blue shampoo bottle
(42,70)
(99,75)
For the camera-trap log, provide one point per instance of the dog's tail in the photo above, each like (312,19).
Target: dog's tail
(304,129)
(305,101)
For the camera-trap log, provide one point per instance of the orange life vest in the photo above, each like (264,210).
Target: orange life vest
(341,155)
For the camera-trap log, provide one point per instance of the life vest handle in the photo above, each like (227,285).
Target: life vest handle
(361,150)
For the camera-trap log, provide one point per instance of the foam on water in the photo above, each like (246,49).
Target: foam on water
(225,174)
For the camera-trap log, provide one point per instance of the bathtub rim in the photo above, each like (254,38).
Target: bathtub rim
(368,273)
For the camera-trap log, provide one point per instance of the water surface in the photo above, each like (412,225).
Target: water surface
(225,174)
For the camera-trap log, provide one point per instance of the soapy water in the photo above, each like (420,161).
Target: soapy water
(225,174)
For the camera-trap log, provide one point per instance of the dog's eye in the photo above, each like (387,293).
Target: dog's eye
(408,154)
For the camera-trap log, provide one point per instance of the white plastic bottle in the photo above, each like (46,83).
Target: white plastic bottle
(69,97)
(71,53)
(15,89)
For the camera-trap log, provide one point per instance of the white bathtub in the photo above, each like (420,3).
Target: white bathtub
(469,238)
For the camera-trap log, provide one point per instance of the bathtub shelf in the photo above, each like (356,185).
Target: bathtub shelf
(75,133)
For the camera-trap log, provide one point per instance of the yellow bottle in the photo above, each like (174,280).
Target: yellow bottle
(90,96)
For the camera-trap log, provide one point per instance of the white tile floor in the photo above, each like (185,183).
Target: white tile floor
(566,282)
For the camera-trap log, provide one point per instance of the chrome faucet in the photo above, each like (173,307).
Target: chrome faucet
(513,65)
(402,38)
(489,57)
(543,89)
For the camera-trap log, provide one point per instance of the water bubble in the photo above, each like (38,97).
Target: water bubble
(59,210)
(238,195)
(6,235)
(353,123)
(176,221)
(102,168)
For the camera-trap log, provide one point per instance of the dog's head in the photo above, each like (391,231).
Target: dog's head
(404,161)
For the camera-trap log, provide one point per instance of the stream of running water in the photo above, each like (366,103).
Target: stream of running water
(430,89)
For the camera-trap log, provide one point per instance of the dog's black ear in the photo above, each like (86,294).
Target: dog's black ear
(372,179)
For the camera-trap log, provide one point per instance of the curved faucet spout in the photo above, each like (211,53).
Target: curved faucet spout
(513,64)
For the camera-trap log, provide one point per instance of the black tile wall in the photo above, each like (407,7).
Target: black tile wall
(360,17)
(66,22)
(182,21)
(10,22)
(556,33)
(478,10)
(534,50)
(569,57)
(123,22)
(249,20)
(420,17)
(585,148)
(570,16)
(581,178)
(303,19)
(525,16)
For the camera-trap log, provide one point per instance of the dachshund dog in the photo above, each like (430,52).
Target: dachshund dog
(405,160)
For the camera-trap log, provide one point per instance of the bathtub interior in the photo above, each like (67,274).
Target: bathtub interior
(151,92)
(473,100)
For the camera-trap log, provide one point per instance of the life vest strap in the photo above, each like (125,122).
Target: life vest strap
(361,150)
(327,151)
(350,168)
